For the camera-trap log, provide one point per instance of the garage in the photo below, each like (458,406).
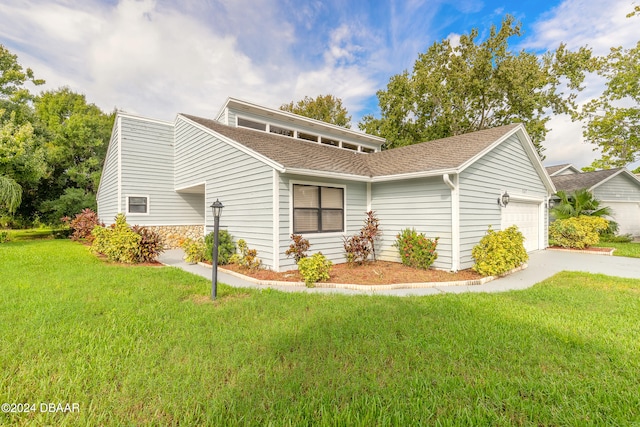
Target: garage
(526,216)
(627,215)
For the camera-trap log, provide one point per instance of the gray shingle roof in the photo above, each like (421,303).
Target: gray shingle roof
(555,168)
(446,153)
(439,154)
(577,181)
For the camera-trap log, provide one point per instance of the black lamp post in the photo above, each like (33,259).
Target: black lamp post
(216,207)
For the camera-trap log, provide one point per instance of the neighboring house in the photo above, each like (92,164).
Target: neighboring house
(619,189)
(564,169)
(278,173)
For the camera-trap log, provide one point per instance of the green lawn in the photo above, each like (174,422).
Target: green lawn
(631,249)
(144,346)
(29,234)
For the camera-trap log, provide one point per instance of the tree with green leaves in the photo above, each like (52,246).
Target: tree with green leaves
(613,119)
(326,108)
(21,160)
(460,88)
(77,135)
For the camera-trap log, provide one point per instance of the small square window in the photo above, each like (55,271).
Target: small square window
(137,205)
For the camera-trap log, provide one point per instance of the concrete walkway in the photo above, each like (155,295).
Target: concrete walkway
(542,264)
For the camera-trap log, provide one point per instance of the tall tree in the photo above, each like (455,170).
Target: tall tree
(613,119)
(455,89)
(77,135)
(20,159)
(326,108)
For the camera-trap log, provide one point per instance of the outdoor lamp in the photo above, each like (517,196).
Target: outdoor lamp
(503,200)
(216,208)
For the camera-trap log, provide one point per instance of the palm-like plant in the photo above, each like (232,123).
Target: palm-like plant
(576,203)
(10,193)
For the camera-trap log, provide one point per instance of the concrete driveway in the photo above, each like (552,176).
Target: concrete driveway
(542,264)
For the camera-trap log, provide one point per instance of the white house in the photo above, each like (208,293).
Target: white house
(278,173)
(619,189)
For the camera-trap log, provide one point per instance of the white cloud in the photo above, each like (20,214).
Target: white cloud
(153,59)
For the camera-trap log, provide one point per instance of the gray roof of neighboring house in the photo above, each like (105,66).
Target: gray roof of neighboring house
(586,180)
(557,168)
(552,170)
(442,154)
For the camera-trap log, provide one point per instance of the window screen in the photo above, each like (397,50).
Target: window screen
(137,205)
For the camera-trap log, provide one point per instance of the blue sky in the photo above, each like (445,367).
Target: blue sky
(159,58)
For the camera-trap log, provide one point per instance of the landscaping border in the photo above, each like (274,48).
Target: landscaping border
(585,251)
(358,287)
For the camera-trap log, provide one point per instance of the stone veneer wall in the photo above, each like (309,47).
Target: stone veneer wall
(173,235)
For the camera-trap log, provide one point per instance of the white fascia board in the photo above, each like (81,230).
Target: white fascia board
(412,175)
(234,144)
(530,150)
(325,174)
(144,119)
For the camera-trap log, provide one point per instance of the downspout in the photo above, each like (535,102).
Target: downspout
(455,220)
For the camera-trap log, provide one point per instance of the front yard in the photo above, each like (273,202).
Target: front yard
(145,346)
(631,249)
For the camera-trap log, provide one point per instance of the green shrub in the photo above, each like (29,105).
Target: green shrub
(416,250)
(4,236)
(194,250)
(499,252)
(118,243)
(226,247)
(577,232)
(247,258)
(150,245)
(314,268)
(298,249)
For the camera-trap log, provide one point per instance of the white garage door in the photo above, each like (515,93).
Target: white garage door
(527,217)
(627,215)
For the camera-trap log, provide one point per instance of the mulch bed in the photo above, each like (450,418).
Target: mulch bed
(371,273)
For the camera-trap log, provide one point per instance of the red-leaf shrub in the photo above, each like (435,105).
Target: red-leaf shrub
(82,225)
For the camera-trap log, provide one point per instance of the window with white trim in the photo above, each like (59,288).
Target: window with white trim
(317,209)
(137,204)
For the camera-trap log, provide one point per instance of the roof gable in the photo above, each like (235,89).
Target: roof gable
(564,169)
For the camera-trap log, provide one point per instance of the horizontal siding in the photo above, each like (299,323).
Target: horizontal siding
(147,170)
(242,183)
(423,204)
(330,244)
(621,187)
(506,168)
(108,194)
